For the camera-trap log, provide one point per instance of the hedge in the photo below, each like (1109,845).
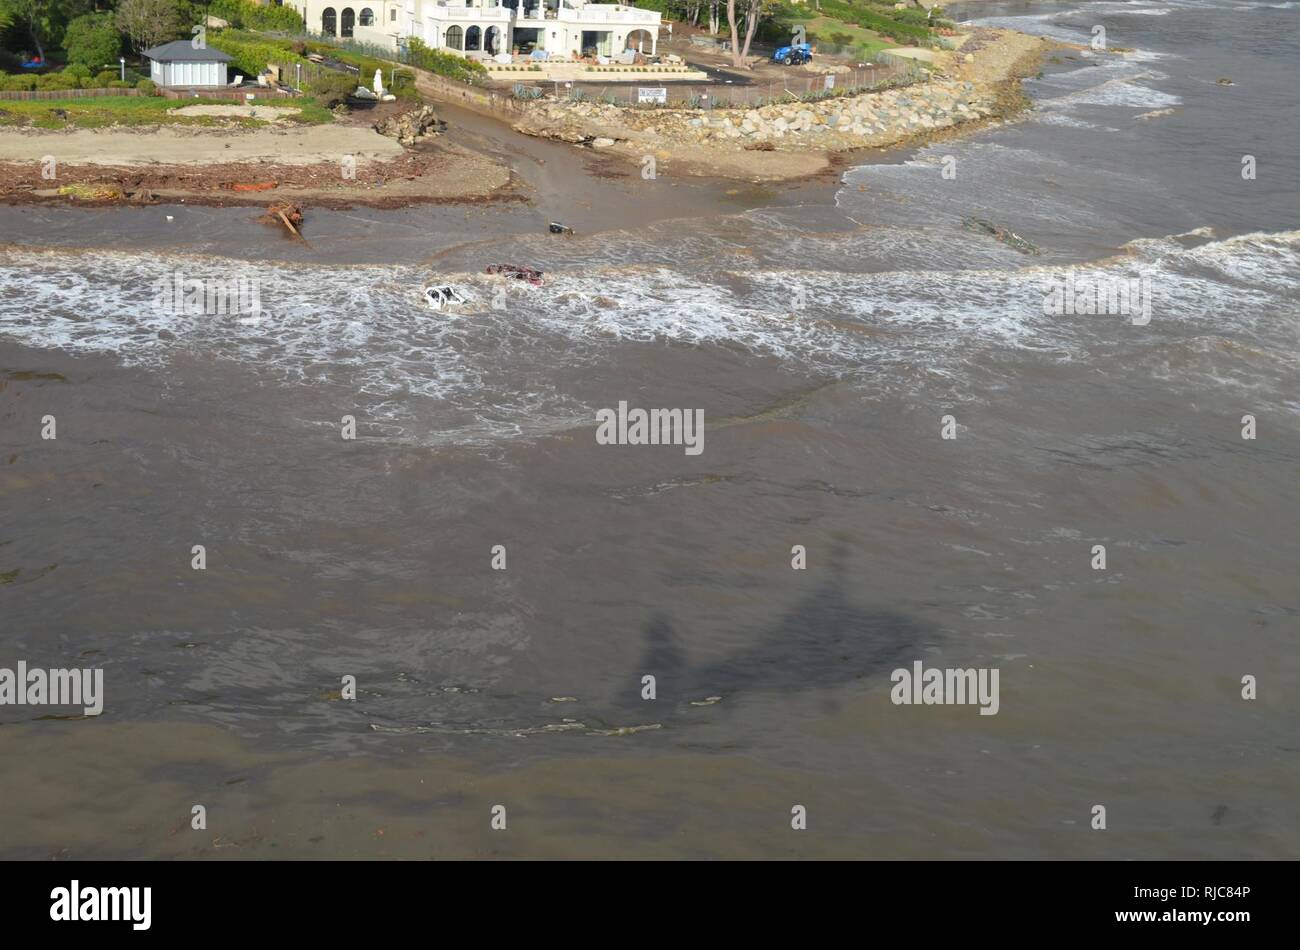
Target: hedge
(445,64)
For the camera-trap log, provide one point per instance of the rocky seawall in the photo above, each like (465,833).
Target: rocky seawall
(833,123)
(791,139)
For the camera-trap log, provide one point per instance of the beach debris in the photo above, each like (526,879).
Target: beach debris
(763,146)
(1007,237)
(444,297)
(286,213)
(1225,82)
(248,185)
(93,192)
(170,218)
(624,730)
(557,228)
(411,127)
(530,275)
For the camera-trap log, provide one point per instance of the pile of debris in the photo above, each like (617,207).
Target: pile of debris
(1009,238)
(287,214)
(411,127)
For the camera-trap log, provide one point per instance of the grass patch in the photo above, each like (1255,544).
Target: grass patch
(142,111)
(822,29)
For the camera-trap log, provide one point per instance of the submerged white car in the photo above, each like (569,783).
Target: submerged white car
(444,297)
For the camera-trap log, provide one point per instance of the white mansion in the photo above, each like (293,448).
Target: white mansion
(562,29)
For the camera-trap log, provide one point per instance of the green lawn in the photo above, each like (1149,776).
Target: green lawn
(139,110)
(823,29)
(828,30)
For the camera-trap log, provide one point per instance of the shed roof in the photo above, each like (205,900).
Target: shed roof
(181,51)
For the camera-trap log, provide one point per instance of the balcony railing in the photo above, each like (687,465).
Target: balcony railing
(592,13)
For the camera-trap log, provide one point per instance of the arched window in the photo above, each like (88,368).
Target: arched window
(367,17)
(454,38)
(639,40)
(327,22)
(472,37)
(492,40)
(348,21)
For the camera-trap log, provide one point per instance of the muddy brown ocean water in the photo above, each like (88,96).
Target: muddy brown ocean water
(523,687)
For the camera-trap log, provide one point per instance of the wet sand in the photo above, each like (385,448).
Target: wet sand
(548,181)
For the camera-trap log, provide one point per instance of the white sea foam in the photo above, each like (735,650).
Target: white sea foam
(1125,92)
(363,327)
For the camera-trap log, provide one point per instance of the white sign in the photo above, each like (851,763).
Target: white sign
(830,82)
(659,95)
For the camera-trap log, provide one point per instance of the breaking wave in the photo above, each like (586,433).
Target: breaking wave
(365,329)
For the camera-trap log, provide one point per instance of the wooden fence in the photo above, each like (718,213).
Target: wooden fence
(23,94)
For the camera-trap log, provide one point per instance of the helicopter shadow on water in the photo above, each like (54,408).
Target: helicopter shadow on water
(823,642)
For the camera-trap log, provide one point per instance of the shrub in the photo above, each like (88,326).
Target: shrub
(252,53)
(103,78)
(147,87)
(92,40)
(56,81)
(445,64)
(17,83)
(79,73)
(331,88)
(119,84)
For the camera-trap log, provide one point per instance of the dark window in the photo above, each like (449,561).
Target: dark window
(327,21)
(349,21)
(472,36)
(367,17)
(454,38)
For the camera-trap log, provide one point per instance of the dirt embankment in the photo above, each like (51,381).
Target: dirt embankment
(344,163)
(970,87)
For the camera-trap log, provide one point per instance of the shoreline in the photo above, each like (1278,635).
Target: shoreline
(457,167)
(977,84)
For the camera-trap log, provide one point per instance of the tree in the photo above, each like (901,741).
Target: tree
(149,22)
(42,20)
(92,41)
(753,14)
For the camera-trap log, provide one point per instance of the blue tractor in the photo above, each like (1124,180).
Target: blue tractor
(795,55)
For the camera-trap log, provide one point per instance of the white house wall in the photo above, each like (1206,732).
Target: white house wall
(181,74)
(429,20)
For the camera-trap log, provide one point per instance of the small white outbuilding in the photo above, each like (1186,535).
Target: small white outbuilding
(179,64)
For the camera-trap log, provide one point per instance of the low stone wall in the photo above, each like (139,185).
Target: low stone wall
(476,98)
